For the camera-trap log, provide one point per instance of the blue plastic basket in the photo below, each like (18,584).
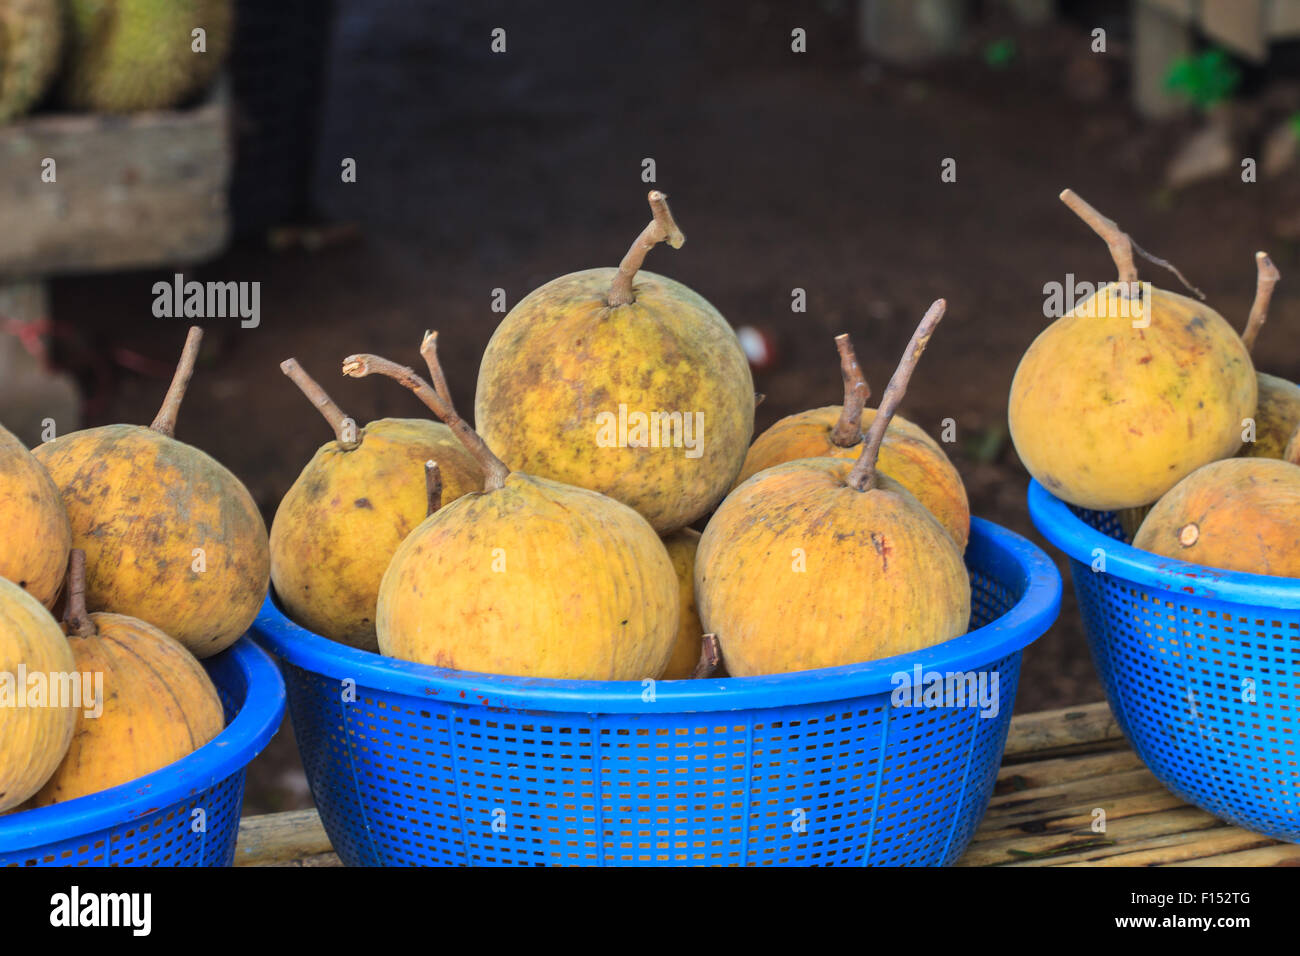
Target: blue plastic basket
(1201,667)
(151,821)
(415,765)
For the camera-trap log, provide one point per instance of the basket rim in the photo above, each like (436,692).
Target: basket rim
(1026,567)
(1077,539)
(256,721)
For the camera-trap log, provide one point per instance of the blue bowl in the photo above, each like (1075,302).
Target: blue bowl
(187,813)
(416,765)
(1201,667)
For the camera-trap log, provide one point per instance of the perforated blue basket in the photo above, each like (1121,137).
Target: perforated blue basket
(1201,667)
(414,765)
(152,821)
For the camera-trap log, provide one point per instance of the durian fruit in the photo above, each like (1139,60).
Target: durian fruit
(130,55)
(31,40)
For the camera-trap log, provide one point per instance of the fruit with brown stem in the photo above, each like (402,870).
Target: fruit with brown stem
(1278,412)
(1239,514)
(529,577)
(35,736)
(34,527)
(624,382)
(821,562)
(361,494)
(907,454)
(171,536)
(1128,393)
(158,703)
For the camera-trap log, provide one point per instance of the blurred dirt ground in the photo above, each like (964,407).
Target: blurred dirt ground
(818,171)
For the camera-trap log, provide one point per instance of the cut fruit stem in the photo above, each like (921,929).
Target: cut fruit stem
(165,422)
(848,430)
(324,404)
(662,228)
(864,476)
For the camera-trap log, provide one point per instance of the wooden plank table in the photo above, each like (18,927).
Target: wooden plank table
(1060,766)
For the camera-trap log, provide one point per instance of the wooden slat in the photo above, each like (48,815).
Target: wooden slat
(1198,848)
(278,838)
(1064,846)
(1279,854)
(134,191)
(1071,729)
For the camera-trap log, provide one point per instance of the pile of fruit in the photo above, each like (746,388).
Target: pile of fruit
(1147,403)
(614,409)
(153,555)
(109,56)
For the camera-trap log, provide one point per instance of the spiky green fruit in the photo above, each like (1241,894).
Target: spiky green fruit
(130,55)
(31,38)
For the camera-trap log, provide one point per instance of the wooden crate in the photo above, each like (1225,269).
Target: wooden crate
(131,192)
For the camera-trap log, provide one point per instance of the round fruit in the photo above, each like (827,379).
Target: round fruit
(639,390)
(170,535)
(31,40)
(530,577)
(907,453)
(34,730)
(33,525)
(1240,514)
(128,55)
(158,704)
(339,524)
(688,643)
(821,562)
(1124,396)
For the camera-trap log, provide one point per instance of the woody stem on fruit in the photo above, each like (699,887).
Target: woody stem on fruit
(432,486)
(324,404)
(1121,245)
(494,469)
(710,657)
(1266,277)
(77,622)
(429,349)
(662,228)
(1117,240)
(165,422)
(864,476)
(848,430)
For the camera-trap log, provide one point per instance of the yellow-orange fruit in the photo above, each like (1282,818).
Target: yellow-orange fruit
(1109,416)
(339,525)
(687,644)
(1276,418)
(533,579)
(1240,514)
(34,531)
(822,562)
(171,536)
(35,725)
(649,401)
(797,570)
(158,706)
(1130,391)
(907,454)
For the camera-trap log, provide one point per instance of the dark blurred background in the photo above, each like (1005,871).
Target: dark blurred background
(819,170)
